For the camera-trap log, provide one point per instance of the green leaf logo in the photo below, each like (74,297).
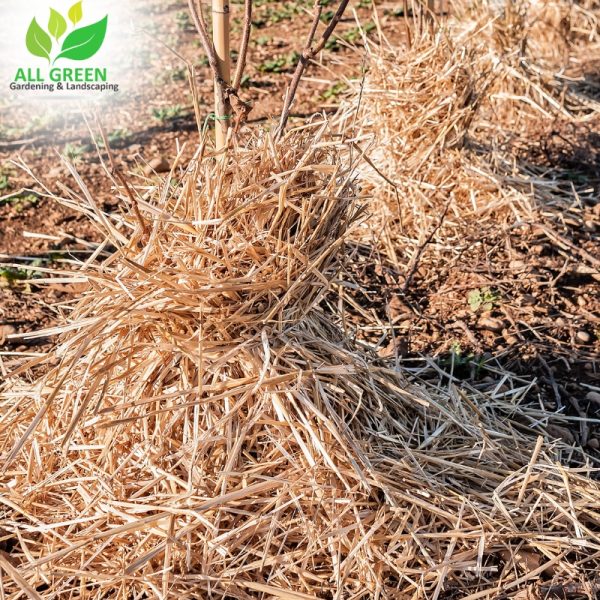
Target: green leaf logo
(83,43)
(56,25)
(38,41)
(76,13)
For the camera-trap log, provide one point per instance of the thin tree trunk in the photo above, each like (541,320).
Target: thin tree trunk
(221,35)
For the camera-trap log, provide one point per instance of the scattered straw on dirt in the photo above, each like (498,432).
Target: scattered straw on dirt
(468,193)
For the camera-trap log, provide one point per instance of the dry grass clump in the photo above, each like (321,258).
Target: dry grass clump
(418,106)
(444,115)
(202,429)
(533,49)
(486,68)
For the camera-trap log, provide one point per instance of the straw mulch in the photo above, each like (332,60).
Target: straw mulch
(202,429)
(452,122)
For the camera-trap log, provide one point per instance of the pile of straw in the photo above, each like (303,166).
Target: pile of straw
(446,116)
(203,429)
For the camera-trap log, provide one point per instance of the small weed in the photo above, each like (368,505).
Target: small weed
(167,113)
(394,12)
(44,122)
(203,60)
(482,299)
(21,202)
(263,40)
(4,182)
(270,15)
(183,21)
(236,25)
(352,36)
(461,364)
(179,74)
(334,91)
(74,152)
(9,277)
(117,136)
(280,64)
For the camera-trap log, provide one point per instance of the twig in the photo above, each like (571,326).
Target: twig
(15,143)
(307,55)
(414,262)
(243,53)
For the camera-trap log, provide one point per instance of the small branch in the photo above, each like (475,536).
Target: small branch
(413,265)
(207,44)
(332,25)
(307,55)
(243,53)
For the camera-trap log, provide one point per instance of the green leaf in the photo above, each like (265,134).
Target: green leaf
(475,300)
(56,25)
(38,41)
(76,13)
(83,43)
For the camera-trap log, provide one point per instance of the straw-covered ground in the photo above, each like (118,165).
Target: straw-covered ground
(223,415)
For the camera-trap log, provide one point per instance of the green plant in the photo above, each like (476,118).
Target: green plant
(26,201)
(44,122)
(184,23)
(270,15)
(482,299)
(74,152)
(334,91)
(116,136)
(21,202)
(352,36)
(462,364)
(167,113)
(281,64)
(9,276)
(179,74)
(263,40)
(4,183)
(394,12)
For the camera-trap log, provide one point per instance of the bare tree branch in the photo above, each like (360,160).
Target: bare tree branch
(243,53)
(332,25)
(307,55)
